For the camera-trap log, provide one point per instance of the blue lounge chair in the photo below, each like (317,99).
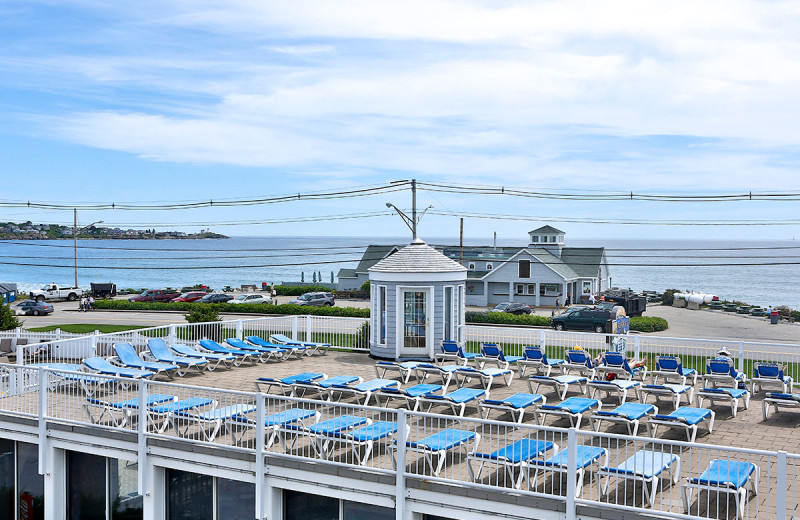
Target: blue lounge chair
(160,415)
(671,367)
(446,373)
(410,395)
(769,375)
(438,445)
(585,457)
(629,414)
(210,423)
(275,424)
(580,361)
(127,357)
(311,347)
(536,358)
(720,371)
(406,369)
(214,360)
(644,466)
(65,374)
(103,367)
(573,409)
(731,396)
(615,363)
(368,436)
(724,476)
(265,384)
(241,355)
(325,435)
(514,404)
(160,351)
(453,351)
(120,413)
(513,458)
(302,387)
(670,391)
(494,352)
(457,401)
(297,350)
(620,387)
(560,384)
(686,418)
(362,392)
(777,400)
(486,376)
(264,354)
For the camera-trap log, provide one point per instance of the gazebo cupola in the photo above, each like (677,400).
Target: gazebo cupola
(549,238)
(417,299)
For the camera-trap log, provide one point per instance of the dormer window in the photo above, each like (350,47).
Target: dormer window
(471,266)
(553,239)
(534,238)
(488,266)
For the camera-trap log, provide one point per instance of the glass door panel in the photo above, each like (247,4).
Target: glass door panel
(415,307)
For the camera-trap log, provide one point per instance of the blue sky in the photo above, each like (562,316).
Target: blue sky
(156,101)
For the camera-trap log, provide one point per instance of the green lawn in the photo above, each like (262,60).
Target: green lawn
(87,328)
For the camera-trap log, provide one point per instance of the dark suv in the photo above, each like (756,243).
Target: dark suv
(583,319)
(315,299)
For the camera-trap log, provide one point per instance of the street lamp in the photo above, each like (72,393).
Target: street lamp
(409,221)
(75,232)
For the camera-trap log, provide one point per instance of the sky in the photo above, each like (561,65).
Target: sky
(181,101)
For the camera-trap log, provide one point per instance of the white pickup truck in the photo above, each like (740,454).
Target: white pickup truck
(54,291)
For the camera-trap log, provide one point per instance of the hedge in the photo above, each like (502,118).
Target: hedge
(297,290)
(253,308)
(648,324)
(507,319)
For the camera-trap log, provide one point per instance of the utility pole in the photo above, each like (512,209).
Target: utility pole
(414,209)
(75,242)
(461,242)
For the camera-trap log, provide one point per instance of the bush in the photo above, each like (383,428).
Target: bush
(8,319)
(364,287)
(648,324)
(254,308)
(292,290)
(203,314)
(669,296)
(362,336)
(507,319)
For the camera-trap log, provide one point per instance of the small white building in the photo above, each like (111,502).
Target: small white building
(417,298)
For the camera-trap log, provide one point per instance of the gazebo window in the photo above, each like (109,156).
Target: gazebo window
(382,314)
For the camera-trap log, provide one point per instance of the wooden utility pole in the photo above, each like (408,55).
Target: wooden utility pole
(461,242)
(75,242)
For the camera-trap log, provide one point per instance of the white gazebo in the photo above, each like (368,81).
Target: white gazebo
(417,299)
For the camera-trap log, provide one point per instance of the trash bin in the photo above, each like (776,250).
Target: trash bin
(773,318)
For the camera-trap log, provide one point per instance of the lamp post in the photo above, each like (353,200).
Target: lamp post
(75,232)
(413,220)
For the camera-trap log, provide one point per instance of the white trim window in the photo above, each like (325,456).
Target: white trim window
(471,266)
(449,312)
(489,266)
(532,289)
(381,315)
(520,288)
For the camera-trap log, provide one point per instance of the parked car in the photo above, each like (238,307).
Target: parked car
(54,291)
(315,299)
(251,298)
(584,319)
(154,295)
(216,298)
(188,297)
(512,308)
(33,308)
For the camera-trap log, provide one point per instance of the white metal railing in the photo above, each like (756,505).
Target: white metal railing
(467,452)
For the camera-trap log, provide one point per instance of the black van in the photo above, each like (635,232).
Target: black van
(596,320)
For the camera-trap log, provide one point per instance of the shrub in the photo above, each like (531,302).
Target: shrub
(238,309)
(362,336)
(364,287)
(8,319)
(507,319)
(203,314)
(648,324)
(292,290)
(668,296)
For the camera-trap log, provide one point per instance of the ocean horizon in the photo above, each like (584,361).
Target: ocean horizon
(639,264)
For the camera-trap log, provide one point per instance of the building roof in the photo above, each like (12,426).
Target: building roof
(583,260)
(346,273)
(547,229)
(553,262)
(373,255)
(417,257)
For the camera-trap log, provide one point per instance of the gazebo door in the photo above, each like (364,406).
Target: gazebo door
(415,327)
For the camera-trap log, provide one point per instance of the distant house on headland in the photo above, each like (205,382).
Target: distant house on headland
(538,274)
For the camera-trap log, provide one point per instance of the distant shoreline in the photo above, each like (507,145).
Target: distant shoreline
(87,237)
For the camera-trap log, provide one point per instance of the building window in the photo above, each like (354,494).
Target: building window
(471,266)
(449,312)
(520,288)
(382,315)
(587,287)
(553,239)
(534,238)
(532,289)
(303,506)
(488,266)
(30,484)
(86,500)
(235,499)
(524,268)
(550,289)
(359,511)
(560,239)
(7,501)
(190,496)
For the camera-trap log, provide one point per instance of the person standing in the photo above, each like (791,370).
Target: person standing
(558,304)
(592,301)
(84,303)
(91,303)
(274,296)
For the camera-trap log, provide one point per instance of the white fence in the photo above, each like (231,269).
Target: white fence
(576,467)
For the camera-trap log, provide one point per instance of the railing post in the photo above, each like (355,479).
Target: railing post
(239,330)
(143,481)
(572,471)
(173,336)
(637,353)
(43,376)
(58,333)
(309,323)
(260,448)
(93,341)
(741,357)
(400,469)
(294,328)
(542,340)
(783,484)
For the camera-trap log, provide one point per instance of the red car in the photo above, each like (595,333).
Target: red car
(189,297)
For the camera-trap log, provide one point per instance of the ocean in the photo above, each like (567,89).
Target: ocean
(653,264)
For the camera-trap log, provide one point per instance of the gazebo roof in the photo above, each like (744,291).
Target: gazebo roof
(417,257)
